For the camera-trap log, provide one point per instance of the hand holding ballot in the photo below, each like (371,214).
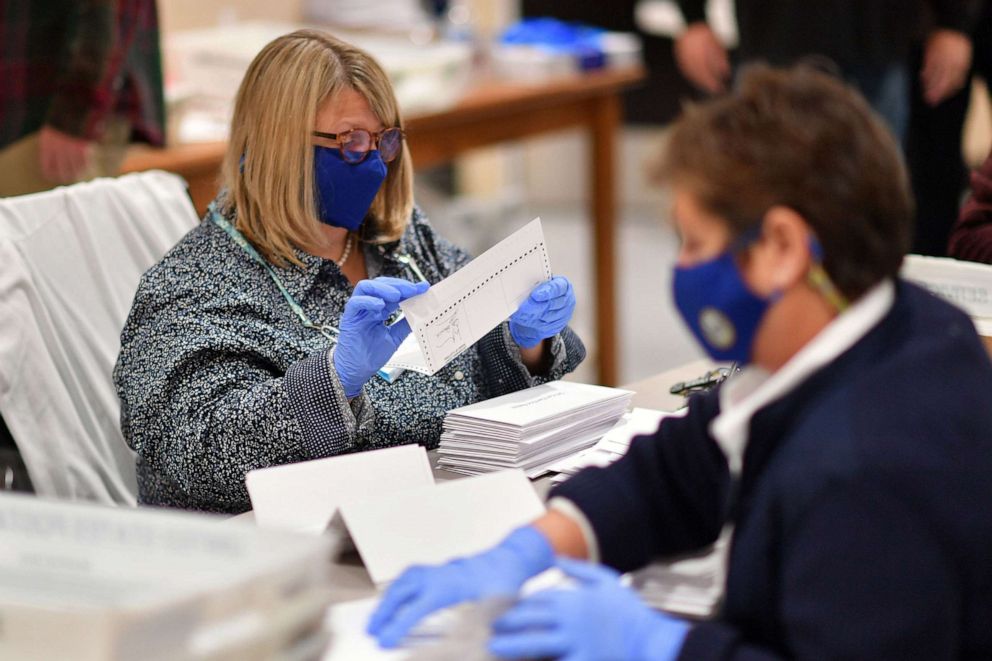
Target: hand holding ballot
(510,280)
(544,313)
(365,342)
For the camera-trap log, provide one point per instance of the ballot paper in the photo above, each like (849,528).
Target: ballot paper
(303,497)
(452,634)
(458,311)
(690,586)
(614,443)
(432,524)
(456,633)
(530,429)
(965,284)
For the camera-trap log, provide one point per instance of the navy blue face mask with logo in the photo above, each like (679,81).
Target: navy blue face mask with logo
(723,313)
(718,307)
(345,191)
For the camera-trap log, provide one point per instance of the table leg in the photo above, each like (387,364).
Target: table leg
(604,124)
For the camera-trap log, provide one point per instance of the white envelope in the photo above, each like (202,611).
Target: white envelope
(304,496)
(432,524)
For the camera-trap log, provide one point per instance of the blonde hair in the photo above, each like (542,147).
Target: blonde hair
(268,170)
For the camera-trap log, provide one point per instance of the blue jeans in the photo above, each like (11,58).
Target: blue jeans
(887,90)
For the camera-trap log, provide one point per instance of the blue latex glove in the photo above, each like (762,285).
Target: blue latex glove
(600,619)
(421,590)
(545,312)
(365,343)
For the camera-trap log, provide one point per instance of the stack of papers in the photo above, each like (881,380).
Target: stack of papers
(89,582)
(613,444)
(966,284)
(531,430)
(458,633)
(690,587)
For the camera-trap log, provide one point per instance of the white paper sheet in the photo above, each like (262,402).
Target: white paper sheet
(546,403)
(456,312)
(304,496)
(614,443)
(433,524)
(348,638)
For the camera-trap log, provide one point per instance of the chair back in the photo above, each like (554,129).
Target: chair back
(70,262)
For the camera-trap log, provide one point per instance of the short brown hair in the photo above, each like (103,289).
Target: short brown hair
(268,167)
(802,139)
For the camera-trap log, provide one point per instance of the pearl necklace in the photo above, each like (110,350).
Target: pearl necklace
(347,250)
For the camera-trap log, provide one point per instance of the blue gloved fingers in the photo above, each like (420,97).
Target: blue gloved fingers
(556,317)
(560,303)
(423,604)
(399,331)
(421,286)
(362,308)
(358,303)
(411,289)
(524,340)
(404,588)
(529,309)
(533,644)
(382,290)
(587,572)
(544,314)
(556,286)
(392,289)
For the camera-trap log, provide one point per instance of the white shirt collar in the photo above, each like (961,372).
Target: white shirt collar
(754,388)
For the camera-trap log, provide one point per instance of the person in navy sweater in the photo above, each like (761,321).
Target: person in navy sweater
(852,455)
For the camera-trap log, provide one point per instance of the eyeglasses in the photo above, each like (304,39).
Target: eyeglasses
(356,144)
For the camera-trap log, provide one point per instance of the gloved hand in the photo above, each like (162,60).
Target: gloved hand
(421,590)
(600,619)
(545,312)
(365,343)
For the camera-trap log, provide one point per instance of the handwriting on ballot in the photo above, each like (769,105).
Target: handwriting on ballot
(456,312)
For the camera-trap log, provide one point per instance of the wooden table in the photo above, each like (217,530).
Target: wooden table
(347,573)
(489,114)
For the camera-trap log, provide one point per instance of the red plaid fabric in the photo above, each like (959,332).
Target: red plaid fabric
(72,64)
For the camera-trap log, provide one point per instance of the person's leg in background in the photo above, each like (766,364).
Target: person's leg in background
(937,170)
(20,163)
(886,87)
(933,147)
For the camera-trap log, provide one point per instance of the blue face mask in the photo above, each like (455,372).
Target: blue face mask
(344,190)
(720,310)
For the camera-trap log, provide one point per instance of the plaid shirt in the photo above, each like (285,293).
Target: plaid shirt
(72,64)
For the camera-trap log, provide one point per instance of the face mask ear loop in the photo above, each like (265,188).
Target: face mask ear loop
(817,278)
(748,238)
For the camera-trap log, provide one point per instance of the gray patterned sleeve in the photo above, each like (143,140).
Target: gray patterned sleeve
(202,404)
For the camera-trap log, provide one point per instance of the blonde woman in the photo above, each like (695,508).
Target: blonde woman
(258,339)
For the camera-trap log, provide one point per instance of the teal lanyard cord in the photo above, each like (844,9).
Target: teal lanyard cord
(330,332)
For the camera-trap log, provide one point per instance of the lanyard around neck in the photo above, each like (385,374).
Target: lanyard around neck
(328,331)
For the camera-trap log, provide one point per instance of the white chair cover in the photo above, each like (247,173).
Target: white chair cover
(70,261)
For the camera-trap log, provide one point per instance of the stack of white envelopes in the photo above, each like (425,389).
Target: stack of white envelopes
(531,429)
